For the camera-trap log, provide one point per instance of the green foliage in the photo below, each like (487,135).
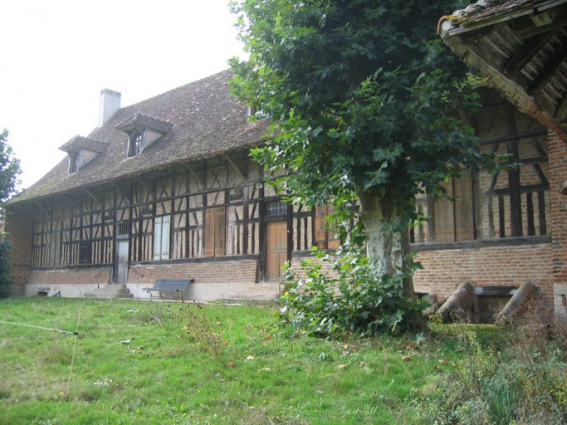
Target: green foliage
(352,299)
(5,278)
(9,169)
(365,97)
(366,107)
(522,382)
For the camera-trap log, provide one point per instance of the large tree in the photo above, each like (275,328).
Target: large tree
(365,102)
(9,171)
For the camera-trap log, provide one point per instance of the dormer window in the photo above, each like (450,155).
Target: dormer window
(137,143)
(75,161)
(143,131)
(81,151)
(255,112)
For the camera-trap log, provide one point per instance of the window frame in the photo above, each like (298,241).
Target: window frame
(75,161)
(137,143)
(162,238)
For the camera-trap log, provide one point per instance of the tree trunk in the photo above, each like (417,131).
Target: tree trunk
(387,242)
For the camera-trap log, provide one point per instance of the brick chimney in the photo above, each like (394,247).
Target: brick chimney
(109,104)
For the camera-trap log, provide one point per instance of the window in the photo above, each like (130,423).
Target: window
(162,226)
(85,252)
(75,161)
(123,228)
(256,112)
(137,143)
(276,209)
(215,232)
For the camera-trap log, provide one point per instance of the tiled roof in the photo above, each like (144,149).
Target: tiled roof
(485,12)
(202,120)
(485,8)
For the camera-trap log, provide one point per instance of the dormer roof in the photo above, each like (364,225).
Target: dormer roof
(141,121)
(78,143)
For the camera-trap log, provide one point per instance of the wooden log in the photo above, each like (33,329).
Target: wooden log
(463,291)
(508,312)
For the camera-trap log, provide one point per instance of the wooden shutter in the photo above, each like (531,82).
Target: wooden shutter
(215,232)
(220,231)
(454,218)
(464,210)
(209,232)
(444,217)
(332,241)
(320,228)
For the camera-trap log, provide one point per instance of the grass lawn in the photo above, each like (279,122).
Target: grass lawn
(142,362)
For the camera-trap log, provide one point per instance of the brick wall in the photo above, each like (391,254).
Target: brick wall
(237,271)
(445,269)
(18,226)
(299,272)
(557,175)
(72,275)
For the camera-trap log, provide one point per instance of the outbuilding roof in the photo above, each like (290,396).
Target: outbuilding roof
(520,46)
(200,120)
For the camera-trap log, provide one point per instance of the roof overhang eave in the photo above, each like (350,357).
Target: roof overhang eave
(63,193)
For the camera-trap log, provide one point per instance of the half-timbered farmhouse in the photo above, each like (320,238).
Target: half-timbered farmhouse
(165,189)
(160,189)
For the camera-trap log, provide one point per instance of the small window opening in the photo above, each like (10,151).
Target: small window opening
(276,209)
(76,161)
(137,143)
(85,252)
(123,228)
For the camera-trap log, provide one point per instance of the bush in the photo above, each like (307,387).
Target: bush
(353,299)
(5,278)
(524,383)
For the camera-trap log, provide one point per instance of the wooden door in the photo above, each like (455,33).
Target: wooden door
(122,261)
(276,255)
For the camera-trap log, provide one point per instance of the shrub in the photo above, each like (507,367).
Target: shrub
(5,278)
(526,382)
(352,299)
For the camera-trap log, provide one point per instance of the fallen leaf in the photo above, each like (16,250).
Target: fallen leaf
(406,358)
(230,365)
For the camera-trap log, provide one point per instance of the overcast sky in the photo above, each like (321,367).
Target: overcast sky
(57,55)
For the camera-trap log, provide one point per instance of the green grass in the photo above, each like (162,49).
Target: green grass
(215,364)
